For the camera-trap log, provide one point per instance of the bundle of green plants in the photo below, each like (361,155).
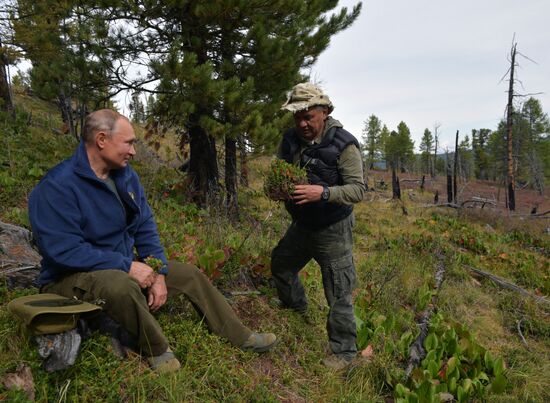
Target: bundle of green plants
(282,178)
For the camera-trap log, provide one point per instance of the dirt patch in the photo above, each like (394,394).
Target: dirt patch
(526,198)
(254,311)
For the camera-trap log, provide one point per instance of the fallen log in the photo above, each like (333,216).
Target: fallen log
(416,351)
(507,285)
(479,200)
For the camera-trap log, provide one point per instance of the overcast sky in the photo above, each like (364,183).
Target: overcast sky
(427,61)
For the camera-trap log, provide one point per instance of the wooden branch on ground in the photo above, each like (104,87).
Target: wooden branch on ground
(521,334)
(451,205)
(481,200)
(417,351)
(508,285)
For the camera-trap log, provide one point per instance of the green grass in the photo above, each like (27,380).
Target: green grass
(395,262)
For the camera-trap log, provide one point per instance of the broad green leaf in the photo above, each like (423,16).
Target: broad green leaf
(461,395)
(401,390)
(430,343)
(467,385)
(452,364)
(499,384)
(498,366)
(452,385)
(488,360)
(483,378)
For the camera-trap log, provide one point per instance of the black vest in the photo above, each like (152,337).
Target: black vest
(321,164)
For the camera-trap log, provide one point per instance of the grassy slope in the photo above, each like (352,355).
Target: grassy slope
(394,259)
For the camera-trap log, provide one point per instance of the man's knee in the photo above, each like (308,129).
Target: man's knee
(180,274)
(113,285)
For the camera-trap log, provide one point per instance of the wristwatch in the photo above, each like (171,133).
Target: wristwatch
(326,193)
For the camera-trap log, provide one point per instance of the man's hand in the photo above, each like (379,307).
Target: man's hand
(144,274)
(307,193)
(157,293)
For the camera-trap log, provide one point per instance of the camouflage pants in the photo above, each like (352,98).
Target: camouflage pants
(331,248)
(126,303)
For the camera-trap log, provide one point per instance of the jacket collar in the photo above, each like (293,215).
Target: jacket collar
(82,165)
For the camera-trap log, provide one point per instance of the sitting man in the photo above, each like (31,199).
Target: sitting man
(89,214)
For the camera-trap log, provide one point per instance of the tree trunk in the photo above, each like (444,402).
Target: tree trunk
(510,181)
(67,113)
(455,169)
(244,162)
(449,179)
(203,166)
(396,189)
(231,201)
(5,91)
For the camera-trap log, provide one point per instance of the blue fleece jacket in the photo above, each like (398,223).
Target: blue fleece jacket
(80,225)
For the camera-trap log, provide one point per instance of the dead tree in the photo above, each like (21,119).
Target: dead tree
(396,188)
(510,182)
(449,178)
(455,168)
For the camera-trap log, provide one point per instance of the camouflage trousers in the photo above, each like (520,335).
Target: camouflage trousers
(331,247)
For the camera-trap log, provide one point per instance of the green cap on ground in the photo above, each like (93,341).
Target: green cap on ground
(305,95)
(50,313)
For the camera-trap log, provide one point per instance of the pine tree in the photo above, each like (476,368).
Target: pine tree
(65,43)
(426,146)
(480,139)
(371,139)
(137,110)
(465,157)
(402,147)
(224,68)
(384,136)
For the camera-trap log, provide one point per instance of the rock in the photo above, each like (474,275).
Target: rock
(20,379)
(19,261)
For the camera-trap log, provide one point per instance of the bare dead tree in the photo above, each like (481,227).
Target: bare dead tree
(455,169)
(510,182)
(449,178)
(512,79)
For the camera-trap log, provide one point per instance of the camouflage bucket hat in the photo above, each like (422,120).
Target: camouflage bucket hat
(50,313)
(305,95)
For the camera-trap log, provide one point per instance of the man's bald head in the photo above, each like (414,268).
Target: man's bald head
(103,120)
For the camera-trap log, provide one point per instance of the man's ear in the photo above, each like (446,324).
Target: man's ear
(100,138)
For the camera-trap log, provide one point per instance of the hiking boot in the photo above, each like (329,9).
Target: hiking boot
(164,363)
(337,362)
(259,342)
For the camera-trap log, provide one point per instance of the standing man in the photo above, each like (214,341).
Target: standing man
(94,230)
(322,215)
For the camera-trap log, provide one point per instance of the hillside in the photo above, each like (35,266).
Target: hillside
(500,339)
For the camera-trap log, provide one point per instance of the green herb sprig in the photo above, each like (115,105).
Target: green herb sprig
(281,179)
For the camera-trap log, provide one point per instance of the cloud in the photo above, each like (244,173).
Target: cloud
(427,61)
